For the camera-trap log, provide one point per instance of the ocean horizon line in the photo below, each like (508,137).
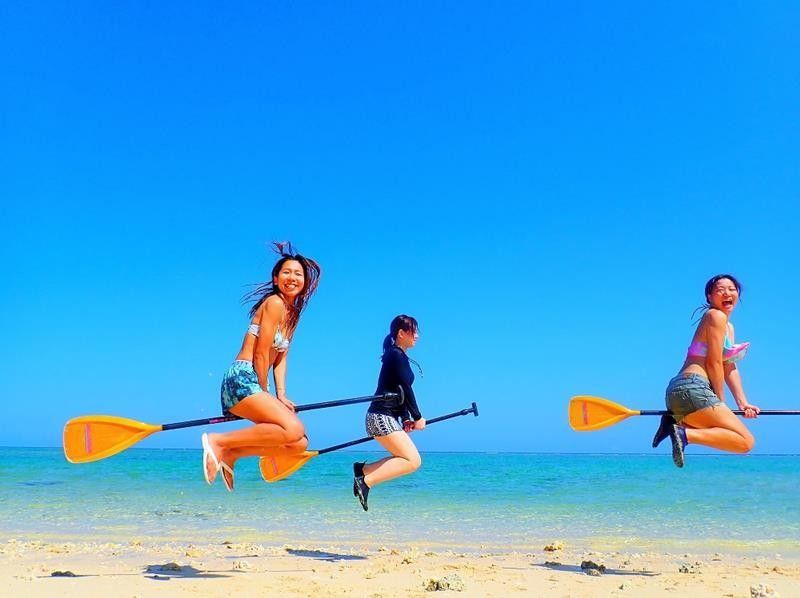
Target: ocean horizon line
(440,452)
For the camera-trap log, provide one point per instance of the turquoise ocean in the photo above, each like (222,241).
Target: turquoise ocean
(460,501)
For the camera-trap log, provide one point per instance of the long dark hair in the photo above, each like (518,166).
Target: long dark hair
(710,288)
(406,324)
(311,272)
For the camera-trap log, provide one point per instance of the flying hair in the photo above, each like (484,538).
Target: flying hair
(311,272)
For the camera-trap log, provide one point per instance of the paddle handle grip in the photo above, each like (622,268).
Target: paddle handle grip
(387,396)
(473,409)
(736,412)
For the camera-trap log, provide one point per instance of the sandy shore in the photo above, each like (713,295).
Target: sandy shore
(37,568)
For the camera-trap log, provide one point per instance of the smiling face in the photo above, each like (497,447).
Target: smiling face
(290,279)
(724,295)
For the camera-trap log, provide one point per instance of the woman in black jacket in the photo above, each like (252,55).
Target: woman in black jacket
(390,424)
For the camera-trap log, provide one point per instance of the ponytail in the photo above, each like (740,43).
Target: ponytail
(388,343)
(401,322)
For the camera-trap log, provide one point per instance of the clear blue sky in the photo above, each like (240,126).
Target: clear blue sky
(546,186)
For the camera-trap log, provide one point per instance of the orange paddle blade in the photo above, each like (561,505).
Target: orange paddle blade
(94,437)
(277,467)
(587,413)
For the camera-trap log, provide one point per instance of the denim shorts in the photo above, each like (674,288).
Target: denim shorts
(687,394)
(239,382)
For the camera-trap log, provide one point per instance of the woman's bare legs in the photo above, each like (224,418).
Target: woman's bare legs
(405,459)
(293,448)
(718,428)
(277,430)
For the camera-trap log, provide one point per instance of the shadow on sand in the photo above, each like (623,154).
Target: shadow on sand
(322,555)
(172,571)
(606,571)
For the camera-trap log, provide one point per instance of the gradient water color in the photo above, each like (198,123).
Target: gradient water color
(464,501)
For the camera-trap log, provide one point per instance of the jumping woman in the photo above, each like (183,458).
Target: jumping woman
(245,386)
(390,424)
(696,396)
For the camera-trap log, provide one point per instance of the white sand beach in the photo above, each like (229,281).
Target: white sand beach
(40,568)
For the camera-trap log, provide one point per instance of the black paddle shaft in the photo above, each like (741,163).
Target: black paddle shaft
(387,396)
(473,409)
(736,412)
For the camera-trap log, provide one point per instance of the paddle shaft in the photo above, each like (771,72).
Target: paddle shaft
(473,409)
(736,412)
(388,396)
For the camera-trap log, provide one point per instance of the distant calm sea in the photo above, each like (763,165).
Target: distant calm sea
(469,501)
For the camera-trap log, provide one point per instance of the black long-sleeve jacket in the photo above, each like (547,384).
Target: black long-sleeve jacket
(396,371)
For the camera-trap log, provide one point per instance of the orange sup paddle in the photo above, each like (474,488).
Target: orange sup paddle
(281,466)
(93,437)
(588,413)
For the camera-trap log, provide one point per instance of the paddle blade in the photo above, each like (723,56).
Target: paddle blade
(587,413)
(280,466)
(94,437)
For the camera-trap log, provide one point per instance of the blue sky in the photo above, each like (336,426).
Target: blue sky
(545,186)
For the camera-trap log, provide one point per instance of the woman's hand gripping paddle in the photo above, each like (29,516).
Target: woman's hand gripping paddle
(587,413)
(280,466)
(93,437)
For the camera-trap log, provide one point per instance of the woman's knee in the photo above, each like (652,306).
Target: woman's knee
(414,462)
(747,443)
(299,445)
(295,432)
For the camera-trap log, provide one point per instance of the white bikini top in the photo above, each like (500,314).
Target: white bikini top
(279,343)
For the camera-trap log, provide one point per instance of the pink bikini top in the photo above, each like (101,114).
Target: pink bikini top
(730,352)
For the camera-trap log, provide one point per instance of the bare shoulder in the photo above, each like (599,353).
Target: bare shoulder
(271,310)
(274,301)
(716,319)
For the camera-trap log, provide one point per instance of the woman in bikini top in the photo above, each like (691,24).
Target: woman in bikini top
(696,396)
(245,387)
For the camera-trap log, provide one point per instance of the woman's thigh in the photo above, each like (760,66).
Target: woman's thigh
(263,408)
(400,445)
(718,416)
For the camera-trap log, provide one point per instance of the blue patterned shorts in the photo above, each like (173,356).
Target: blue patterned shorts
(240,381)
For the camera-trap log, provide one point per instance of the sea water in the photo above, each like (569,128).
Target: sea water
(464,501)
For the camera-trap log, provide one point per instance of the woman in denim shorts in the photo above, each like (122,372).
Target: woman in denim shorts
(696,396)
